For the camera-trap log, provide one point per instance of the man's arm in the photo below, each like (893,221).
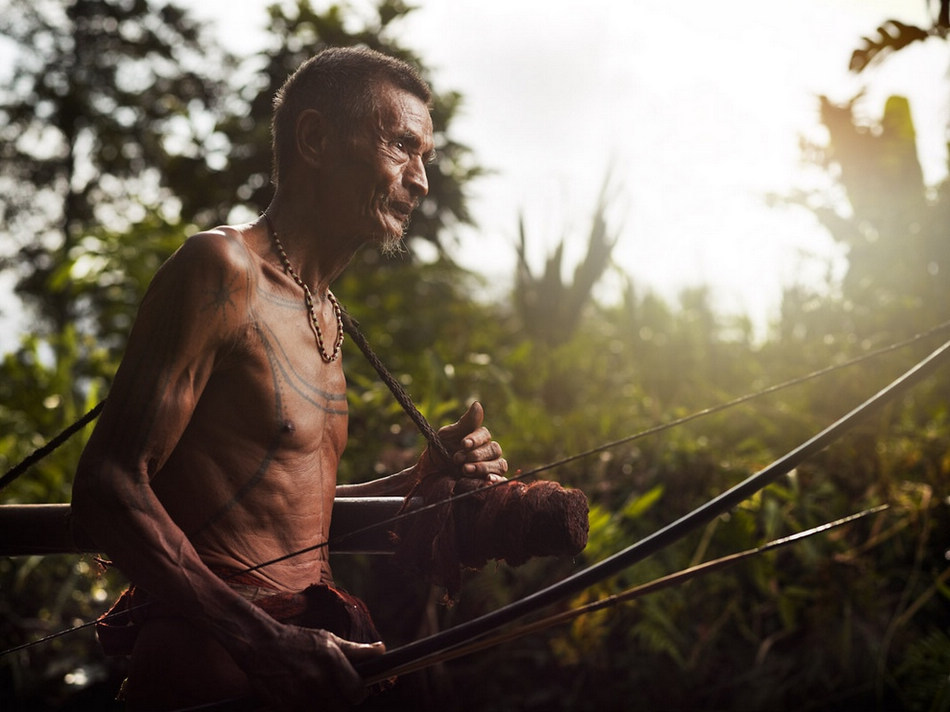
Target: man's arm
(473,452)
(170,356)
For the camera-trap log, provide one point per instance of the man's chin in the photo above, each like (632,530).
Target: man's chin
(393,242)
(392,246)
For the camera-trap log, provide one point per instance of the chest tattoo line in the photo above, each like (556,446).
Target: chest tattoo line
(276,299)
(297,382)
(268,458)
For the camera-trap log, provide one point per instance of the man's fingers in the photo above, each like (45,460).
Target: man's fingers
(486,469)
(358,652)
(484,451)
(477,441)
(349,681)
(472,446)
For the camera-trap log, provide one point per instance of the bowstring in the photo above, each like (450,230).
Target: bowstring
(520,475)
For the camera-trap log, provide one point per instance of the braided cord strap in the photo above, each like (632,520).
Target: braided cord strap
(46,449)
(395,387)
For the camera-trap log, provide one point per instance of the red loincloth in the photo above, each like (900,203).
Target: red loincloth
(319,606)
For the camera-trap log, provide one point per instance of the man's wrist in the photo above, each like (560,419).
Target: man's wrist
(243,629)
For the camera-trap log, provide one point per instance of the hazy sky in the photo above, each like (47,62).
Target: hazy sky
(696,108)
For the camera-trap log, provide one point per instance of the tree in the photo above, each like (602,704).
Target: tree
(105,97)
(892,224)
(898,258)
(550,310)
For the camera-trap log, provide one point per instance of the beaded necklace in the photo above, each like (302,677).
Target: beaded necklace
(308,300)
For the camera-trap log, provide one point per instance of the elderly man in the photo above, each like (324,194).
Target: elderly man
(220,440)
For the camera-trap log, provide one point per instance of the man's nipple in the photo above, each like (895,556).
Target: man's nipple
(287,428)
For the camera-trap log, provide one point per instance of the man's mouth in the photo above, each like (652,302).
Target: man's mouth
(403,210)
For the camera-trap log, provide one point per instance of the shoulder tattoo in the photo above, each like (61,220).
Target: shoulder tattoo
(219,298)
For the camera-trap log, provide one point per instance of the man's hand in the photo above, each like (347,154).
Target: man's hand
(307,669)
(471,447)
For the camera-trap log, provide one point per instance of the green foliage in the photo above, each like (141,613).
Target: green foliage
(824,625)
(39,397)
(432,337)
(927,662)
(104,97)
(119,117)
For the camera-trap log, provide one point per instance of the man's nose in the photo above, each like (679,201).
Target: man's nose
(416,179)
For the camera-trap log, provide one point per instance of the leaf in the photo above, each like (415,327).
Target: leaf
(639,505)
(892,36)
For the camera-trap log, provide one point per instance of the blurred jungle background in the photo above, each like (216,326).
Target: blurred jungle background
(121,133)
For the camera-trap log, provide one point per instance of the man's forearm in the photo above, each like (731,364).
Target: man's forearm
(127,521)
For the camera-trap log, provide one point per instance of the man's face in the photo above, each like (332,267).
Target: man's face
(385,166)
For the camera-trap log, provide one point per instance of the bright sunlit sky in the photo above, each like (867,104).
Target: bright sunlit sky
(696,108)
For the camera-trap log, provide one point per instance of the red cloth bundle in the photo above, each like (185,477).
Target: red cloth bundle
(512,521)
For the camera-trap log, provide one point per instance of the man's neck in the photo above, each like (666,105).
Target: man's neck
(314,253)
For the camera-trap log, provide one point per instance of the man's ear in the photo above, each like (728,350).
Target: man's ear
(313,135)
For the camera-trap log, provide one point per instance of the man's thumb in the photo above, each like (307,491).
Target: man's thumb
(472,419)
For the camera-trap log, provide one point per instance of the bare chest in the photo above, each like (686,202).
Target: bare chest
(278,390)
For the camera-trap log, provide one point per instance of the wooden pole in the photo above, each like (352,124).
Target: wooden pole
(44,529)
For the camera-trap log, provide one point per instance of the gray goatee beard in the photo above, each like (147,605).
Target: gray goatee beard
(394,245)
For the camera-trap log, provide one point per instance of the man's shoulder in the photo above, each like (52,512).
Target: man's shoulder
(209,257)
(222,247)
(215,262)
